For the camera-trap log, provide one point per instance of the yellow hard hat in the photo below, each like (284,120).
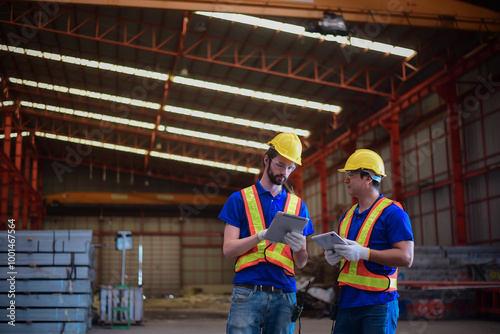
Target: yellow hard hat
(288,145)
(365,159)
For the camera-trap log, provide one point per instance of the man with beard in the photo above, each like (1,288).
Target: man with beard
(263,298)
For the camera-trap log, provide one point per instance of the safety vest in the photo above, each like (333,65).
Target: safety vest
(356,274)
(278,254)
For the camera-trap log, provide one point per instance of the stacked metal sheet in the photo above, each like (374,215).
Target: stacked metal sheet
(46,281)
(459,263)
(443,282)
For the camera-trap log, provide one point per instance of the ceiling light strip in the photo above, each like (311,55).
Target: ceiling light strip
(6,103)
(256,94)
(15,134)
(86,62)
(223,139)
(86,114)
(205,162)
(299,30)
(139,151)
(145,125)
(178,79)
(234,120)
(86,93)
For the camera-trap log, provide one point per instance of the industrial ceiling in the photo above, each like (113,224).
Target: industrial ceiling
(63,106)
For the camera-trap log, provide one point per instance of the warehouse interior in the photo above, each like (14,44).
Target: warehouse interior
(133,121)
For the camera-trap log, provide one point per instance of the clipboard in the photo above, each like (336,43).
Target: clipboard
(328,239)
(284,223)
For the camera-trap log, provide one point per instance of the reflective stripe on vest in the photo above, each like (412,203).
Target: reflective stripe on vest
(278,254)
(356,274)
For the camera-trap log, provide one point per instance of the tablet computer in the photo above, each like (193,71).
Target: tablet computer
(328,239)
(284,223)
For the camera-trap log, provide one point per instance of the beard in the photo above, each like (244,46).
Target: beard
(275,177)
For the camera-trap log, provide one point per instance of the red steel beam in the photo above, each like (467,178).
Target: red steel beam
(196,152)
(296,180)
(321,168)
(179,49)
(165,174)
(16,201)
(468,62)
(392,127)
(67,118)
(6,159)
(12,177)
(444,78)
(448,93)
(61,22)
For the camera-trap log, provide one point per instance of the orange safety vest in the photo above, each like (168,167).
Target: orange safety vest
(356,274)
(278,254)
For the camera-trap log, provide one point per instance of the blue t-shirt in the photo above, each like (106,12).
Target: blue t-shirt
(234,214)
(392,226)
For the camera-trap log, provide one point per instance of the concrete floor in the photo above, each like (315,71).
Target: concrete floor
(217,325)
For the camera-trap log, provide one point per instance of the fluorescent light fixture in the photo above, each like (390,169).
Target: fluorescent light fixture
(86,62)
(235,120)
(6,103)
(403,52)
(139,151)
(223,139)
(86,93)
(158,76)
(255,94)
(15,134)
(299,30)
(155,106)
(94,143)
(145,125)
(87,114)
(205,162)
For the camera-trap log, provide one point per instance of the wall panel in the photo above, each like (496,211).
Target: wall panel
(175,252)
(427,182)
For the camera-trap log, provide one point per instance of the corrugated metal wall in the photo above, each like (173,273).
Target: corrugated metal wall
(178,252)
(426,168)
(175,252)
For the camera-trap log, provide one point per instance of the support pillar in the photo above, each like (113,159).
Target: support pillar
(349,148)
(39,212)
(16,201)
(296,180)
(26,197)
(5,177)
(34,185)
(449,94)
(321,168)
(392,127)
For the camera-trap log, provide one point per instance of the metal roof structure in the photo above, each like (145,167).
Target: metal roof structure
(98,112)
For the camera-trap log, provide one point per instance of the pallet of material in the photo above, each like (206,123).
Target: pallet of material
(45,328)
(46,281)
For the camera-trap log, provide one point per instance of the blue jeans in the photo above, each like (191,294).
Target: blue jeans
(256,312)
(371,319)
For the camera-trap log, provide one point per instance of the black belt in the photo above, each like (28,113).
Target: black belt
(266,288)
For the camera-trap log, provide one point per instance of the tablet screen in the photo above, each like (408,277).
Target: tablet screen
(284,223)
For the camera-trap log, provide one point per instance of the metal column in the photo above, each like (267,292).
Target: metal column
(449,94)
